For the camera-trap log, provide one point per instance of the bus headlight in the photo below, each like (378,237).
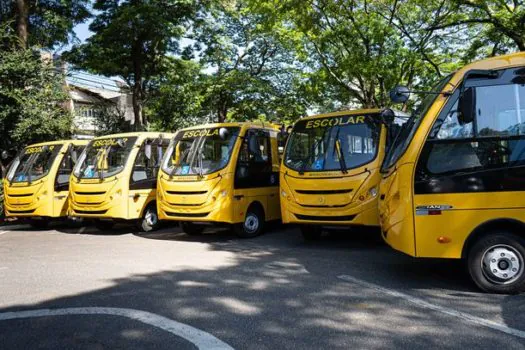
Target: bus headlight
(283,194)
(224,193)
(372,192)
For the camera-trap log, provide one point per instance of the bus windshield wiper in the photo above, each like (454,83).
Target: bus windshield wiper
(339,151)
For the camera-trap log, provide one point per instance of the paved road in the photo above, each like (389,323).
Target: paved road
(167,290)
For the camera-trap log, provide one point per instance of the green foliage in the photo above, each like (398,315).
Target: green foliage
(251,73)
(132,40)
(32,100)
(50,22)
(178,99)
(109,120)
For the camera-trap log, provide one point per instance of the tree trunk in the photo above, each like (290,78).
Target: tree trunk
(137,89)
(138,124)
(22,18)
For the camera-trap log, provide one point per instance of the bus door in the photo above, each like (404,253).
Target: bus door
(255,176)
(143,180)
(468,167)
(61,189)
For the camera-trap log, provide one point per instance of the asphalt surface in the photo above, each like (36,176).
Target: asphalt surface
(272,292)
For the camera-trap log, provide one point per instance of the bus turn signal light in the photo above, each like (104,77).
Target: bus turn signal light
(443,239)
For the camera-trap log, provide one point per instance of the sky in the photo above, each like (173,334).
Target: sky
(82,31)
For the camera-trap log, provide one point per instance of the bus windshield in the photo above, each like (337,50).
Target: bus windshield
(409,129)
(333,143)
(104,157)
(200,151)
(33,163)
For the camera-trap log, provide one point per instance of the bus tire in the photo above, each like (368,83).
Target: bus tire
(253,224)
(150,219)
(39,224)
(496,263)
(104,225)
(191,229)
(311,232)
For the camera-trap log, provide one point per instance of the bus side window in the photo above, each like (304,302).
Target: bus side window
(64,171)
(488,146)
(147,162)
(254,164)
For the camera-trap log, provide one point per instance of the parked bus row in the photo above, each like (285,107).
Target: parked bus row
(446,182)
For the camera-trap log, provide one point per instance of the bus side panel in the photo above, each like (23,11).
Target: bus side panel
(396,210)
(467,211)
(60,203)
(244,197)
(138,200)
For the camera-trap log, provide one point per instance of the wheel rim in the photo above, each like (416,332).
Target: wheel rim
(251,223)
(151,218)
(502,264)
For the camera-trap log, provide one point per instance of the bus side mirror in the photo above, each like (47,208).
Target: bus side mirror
(399,94)
(467,106)
(223,133)
(387,116)
(4,155)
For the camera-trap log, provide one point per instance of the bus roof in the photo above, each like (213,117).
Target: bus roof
(510,60)
(49,143)
(258,124)
(353,112)
(142,134)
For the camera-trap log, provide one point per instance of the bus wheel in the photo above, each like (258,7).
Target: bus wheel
(191,229)
(311,232)
(253,224)
(496,263)
(104,225)
(150,219)
(39,224)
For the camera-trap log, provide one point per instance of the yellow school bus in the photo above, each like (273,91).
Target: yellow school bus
(221,174)
(453,182)
(37,182)
(115,179)
(330,170)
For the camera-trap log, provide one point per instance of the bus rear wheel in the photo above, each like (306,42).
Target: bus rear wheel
(496,263)
(191,229)
(150,219)
(253,224)
(311,232)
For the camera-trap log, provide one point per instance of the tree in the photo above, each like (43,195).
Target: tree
(32,98)
(131,40)
(501,23)
(250,73)
(356,51)
(177,100)
(43,23)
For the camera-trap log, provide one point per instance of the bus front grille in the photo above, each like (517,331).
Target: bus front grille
(187,215)
(90,212)
(340,191)
(325,218)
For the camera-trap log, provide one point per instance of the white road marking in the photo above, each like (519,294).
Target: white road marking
(199,338)
(444,310)
(2,232)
